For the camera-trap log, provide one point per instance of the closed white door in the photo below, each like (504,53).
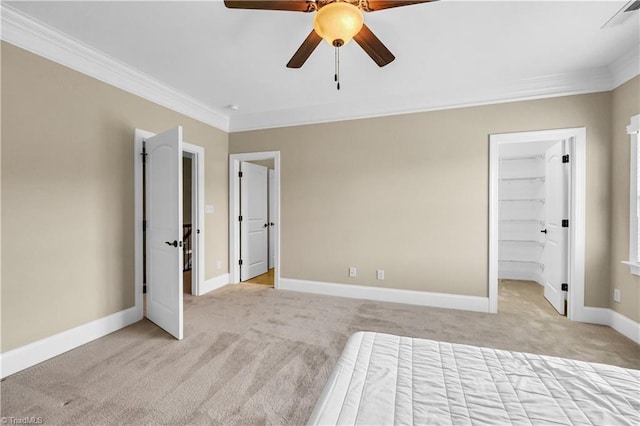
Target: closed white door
(163,202)
(272,219)
(254,226)
(556,247)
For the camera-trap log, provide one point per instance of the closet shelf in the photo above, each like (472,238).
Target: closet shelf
(511,274)
(530,179)
(534,242)
(523,157)
(525,262)
(523,221)
(523,200)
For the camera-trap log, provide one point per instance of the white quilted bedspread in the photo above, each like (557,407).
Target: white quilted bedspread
(383,379)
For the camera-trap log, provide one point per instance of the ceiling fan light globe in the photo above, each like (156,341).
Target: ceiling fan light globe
(338,21)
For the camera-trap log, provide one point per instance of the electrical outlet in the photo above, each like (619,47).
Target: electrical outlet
(380,274)
(353,272)
(616,295)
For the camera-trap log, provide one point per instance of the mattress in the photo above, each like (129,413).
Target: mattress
(382,379)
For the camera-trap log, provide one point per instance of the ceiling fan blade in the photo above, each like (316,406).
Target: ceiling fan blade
(374,47)
(290,5)
(373,5)
(305,50)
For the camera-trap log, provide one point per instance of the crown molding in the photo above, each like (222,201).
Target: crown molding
(581,82)
(27,33)
(625,67)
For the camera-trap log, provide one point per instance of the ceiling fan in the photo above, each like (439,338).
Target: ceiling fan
(336,21)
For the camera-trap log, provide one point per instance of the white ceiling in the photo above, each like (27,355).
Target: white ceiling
(448,53)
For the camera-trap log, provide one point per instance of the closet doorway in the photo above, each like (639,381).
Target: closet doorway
(536,241)
(254,193)
(532,196)
(257,221)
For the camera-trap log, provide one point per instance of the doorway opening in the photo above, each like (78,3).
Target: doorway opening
(532,244)
(170,174)
(254,193)
(189,231)
(536,221)
(257,227)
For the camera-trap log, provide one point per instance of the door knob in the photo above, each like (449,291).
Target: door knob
(174,243)
(272,224)
(266,224)
(544,231)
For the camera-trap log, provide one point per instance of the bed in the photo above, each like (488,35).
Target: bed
(382,379)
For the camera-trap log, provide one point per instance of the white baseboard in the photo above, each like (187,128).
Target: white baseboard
(214,283)
(602,316)
(411,297)
(625,326)
(523,276)
(34,353)
(591,315)
(605,316)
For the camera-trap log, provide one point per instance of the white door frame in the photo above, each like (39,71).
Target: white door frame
(198,164)
(273,208)
(577,146)
(234,211)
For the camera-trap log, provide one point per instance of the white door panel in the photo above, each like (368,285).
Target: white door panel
(273,216)
(555,249)
(163,201)
(254,224)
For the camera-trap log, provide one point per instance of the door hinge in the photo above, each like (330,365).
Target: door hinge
(565,287)
(240,262)
(240,218)
(565,223)
(239,174)
(565,158)
(144,152)
(197,231)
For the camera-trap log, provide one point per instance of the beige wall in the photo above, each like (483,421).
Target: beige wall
(67,195)
(409,193)
(625,104)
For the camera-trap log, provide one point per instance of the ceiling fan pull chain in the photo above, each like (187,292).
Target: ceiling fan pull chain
(337,74)
(335,64)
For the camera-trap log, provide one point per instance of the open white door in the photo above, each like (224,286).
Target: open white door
(163,202)
(273,215)
(555,249)
(254,225)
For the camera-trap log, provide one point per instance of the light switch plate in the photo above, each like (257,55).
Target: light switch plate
(208,208)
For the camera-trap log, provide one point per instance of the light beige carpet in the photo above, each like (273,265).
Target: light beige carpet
(254,355)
